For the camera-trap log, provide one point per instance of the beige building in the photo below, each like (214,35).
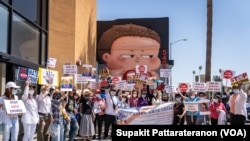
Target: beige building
(72,32)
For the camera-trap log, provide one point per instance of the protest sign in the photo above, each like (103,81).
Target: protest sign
(14,106)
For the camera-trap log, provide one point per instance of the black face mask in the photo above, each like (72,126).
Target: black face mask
(164,99)
(57,96)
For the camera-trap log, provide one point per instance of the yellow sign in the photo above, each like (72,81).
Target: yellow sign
(48,77)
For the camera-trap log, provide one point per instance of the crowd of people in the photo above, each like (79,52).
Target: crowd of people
(56,115)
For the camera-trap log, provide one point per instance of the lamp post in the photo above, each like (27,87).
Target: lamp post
(194,76)
(200,68)
(170,59)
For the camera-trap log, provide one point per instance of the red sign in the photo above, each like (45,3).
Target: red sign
(115,79)
(183,87)
(228,74)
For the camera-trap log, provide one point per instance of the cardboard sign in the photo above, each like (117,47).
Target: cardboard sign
(165,72)
(183,87)
(141,69)
(239,79)
(14,106)
(51,63)
(48,77)
(25,74)
(199,87)
(69,69)
(213,86)
(226,74)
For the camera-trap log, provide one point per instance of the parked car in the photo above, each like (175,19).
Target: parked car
(247,109)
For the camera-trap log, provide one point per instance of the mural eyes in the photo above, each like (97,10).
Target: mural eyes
(146,56)
(127,55)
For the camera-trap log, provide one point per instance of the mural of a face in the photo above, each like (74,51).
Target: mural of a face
(127,52)
(123,47)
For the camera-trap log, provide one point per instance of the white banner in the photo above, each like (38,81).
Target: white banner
(147,115)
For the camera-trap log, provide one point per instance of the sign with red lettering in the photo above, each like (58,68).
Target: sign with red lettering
(226,74)
(239,79)
(183,87)
(14,106)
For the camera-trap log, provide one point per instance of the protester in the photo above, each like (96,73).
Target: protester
(156,100)
(179,111)
(215,108)
(71,126)
(86,129)
(44,111)
(110,112)
(134,99)
(31,118)
(237,103)
(143,100)
(10,121)
(99,108)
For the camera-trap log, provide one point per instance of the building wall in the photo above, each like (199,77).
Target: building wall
(72,32)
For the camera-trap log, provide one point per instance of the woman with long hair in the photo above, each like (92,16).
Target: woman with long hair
(10,122)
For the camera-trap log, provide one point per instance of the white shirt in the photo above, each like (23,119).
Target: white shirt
(44,103)
(2,102)
(109,109)
(31,116)
(156,101)
(240,103)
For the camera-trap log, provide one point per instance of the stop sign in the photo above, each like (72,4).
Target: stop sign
(115,79)
(183,87)
(228,74)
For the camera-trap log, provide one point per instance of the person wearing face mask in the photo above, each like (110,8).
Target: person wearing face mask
(124,102)
(57,115)
(201,118)
(191,116)
(99,108)
(179,111)
(44,110)
(10,124)
(156,100)
(87,129)
(134,99)
(215,108)
(31,117)
(164,98)
(237,103)
(110,112)
(144,99)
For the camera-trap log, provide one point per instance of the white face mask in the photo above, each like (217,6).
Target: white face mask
(143,96)
(236,91)
(154,94)
(134,95)
(31,92)
(14,92)
(215,100)
(123,99)
(178,99)
(112,93)
(192,96)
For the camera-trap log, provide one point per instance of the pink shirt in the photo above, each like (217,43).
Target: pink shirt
(212,108)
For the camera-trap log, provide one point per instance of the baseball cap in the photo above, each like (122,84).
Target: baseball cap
(11,85)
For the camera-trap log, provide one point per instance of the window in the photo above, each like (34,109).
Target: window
(28,8)
(25,40)
(43,50)
(4,28)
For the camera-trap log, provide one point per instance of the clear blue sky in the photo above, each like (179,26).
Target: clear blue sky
(187,19)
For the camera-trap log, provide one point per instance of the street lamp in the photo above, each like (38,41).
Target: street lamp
(193,76)
(200,68)
(170,58)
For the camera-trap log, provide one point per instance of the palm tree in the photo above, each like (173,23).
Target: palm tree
(209,39)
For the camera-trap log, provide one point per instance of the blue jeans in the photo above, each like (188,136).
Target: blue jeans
(60,131)
(71,128)
(13,130)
